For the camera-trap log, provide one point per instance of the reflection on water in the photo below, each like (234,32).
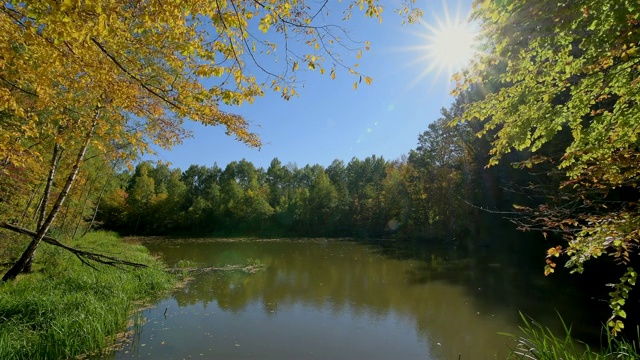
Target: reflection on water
(326,299)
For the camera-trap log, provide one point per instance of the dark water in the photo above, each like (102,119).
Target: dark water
(330,299)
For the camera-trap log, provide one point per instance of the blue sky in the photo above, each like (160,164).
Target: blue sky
(329,119)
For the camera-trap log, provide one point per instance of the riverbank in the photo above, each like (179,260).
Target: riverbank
(65,309)
(538,342)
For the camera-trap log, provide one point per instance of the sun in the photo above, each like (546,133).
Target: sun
(452,46)
(448,44)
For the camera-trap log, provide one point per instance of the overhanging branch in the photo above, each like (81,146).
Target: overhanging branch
(134,77)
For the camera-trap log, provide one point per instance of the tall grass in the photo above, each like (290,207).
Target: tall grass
(65,309)
(538,342)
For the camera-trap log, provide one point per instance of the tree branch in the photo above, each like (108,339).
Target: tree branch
(14,86)
(139,81)
(83,255)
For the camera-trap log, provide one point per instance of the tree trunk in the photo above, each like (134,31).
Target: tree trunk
(42,230)
(84,206)
(45,199)
(34,218)
(85,256)
(95,211)
(29,203)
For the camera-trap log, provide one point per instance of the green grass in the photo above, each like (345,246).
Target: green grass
(538,342)
(65,309)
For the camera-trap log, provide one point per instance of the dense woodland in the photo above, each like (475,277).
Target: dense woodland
(435,192)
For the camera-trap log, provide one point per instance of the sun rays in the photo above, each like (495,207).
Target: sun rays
(449,43)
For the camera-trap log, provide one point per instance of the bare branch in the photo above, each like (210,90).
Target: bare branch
(242,32)
(83,255)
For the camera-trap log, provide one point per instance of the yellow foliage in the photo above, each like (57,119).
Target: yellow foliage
(128,74)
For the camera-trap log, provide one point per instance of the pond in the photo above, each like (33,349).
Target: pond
(336,299)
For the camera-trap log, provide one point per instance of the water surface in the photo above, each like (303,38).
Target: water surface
(329,299)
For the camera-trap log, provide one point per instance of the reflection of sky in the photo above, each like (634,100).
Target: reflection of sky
(297,331)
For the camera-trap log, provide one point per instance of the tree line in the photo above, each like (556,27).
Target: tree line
(436,191)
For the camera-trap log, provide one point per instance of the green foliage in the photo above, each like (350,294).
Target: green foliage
(619,296)
(560,70)
(421,196)
(567,70)
(68,309)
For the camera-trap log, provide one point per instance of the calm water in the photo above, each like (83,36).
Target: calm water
(330,299)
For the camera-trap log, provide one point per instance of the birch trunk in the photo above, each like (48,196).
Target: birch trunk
(45,199)
(42,230)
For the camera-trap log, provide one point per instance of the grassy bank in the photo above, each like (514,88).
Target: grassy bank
(538,342)
(65,309)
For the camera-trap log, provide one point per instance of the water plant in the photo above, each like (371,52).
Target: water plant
(255,262)
(184,264)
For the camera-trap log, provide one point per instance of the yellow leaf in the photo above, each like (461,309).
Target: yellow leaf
(66,4)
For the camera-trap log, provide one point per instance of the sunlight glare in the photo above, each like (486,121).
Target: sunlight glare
(452,46)
(449,43)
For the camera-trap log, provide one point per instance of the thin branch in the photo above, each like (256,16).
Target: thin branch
(18,87)
(298,25)
(138,80)
(487,210)
(320,10)
(242,31)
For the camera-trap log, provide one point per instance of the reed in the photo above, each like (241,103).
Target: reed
(65,309)
(538,342)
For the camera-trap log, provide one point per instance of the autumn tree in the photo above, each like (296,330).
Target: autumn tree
(117,77)
(569,67)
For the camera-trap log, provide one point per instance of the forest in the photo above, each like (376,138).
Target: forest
(431,193)
(424,194)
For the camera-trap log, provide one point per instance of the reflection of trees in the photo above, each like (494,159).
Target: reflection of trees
(505,273)
(345,277)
